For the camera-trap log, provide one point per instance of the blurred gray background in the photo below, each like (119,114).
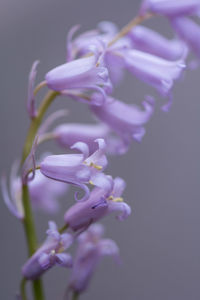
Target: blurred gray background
(160,242)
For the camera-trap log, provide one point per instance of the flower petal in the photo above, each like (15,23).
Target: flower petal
(122,207)
(64,260)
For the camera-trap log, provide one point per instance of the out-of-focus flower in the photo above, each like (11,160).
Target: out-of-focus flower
(99,39)
(91,248)
(102,201)
(31,98)
(68,134)
(84,74)
(44,192)
(78,169)
(153,70)
(150,41)
(49,254)
(127,120)
(189,32)
(171,7)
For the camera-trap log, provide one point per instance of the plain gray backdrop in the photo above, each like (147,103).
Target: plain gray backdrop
(160,242)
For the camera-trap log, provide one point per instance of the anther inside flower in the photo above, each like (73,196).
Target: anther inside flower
(79,168)
(102,201)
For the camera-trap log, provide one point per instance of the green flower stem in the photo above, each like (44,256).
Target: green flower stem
(62,229)
(28,220)
(35,124)
(30,233)
(75,296)
(38,289)
(23,289)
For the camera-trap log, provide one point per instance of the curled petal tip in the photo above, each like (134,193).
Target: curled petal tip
(82,147)
(101,144)
(86,195)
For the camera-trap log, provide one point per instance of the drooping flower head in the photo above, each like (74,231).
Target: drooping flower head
(91,248)
(99,39)
(49,254)
(126,120)
(78,169)
(86,73)
(67,134)
(102,201)
(150,41)
(155,71)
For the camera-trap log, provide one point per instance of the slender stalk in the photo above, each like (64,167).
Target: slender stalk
(136,21)
(28,220)
(62,229)
(30,233)
(35,124)
(38,289)
(23,289)
(39,87)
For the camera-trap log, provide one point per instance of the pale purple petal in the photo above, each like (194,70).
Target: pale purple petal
(64,260)
(98,157)
(53,231)
(91,248)
(150,41)
(81,73)
(81,214)
(171,7)
(124,119)
(44,261)
(153,70)
(119,186)
(67,134)
(123,208)
(82,147)
(69,45)
(108,247)
(189,32)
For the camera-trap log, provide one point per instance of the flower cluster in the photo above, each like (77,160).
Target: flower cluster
(95,63)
